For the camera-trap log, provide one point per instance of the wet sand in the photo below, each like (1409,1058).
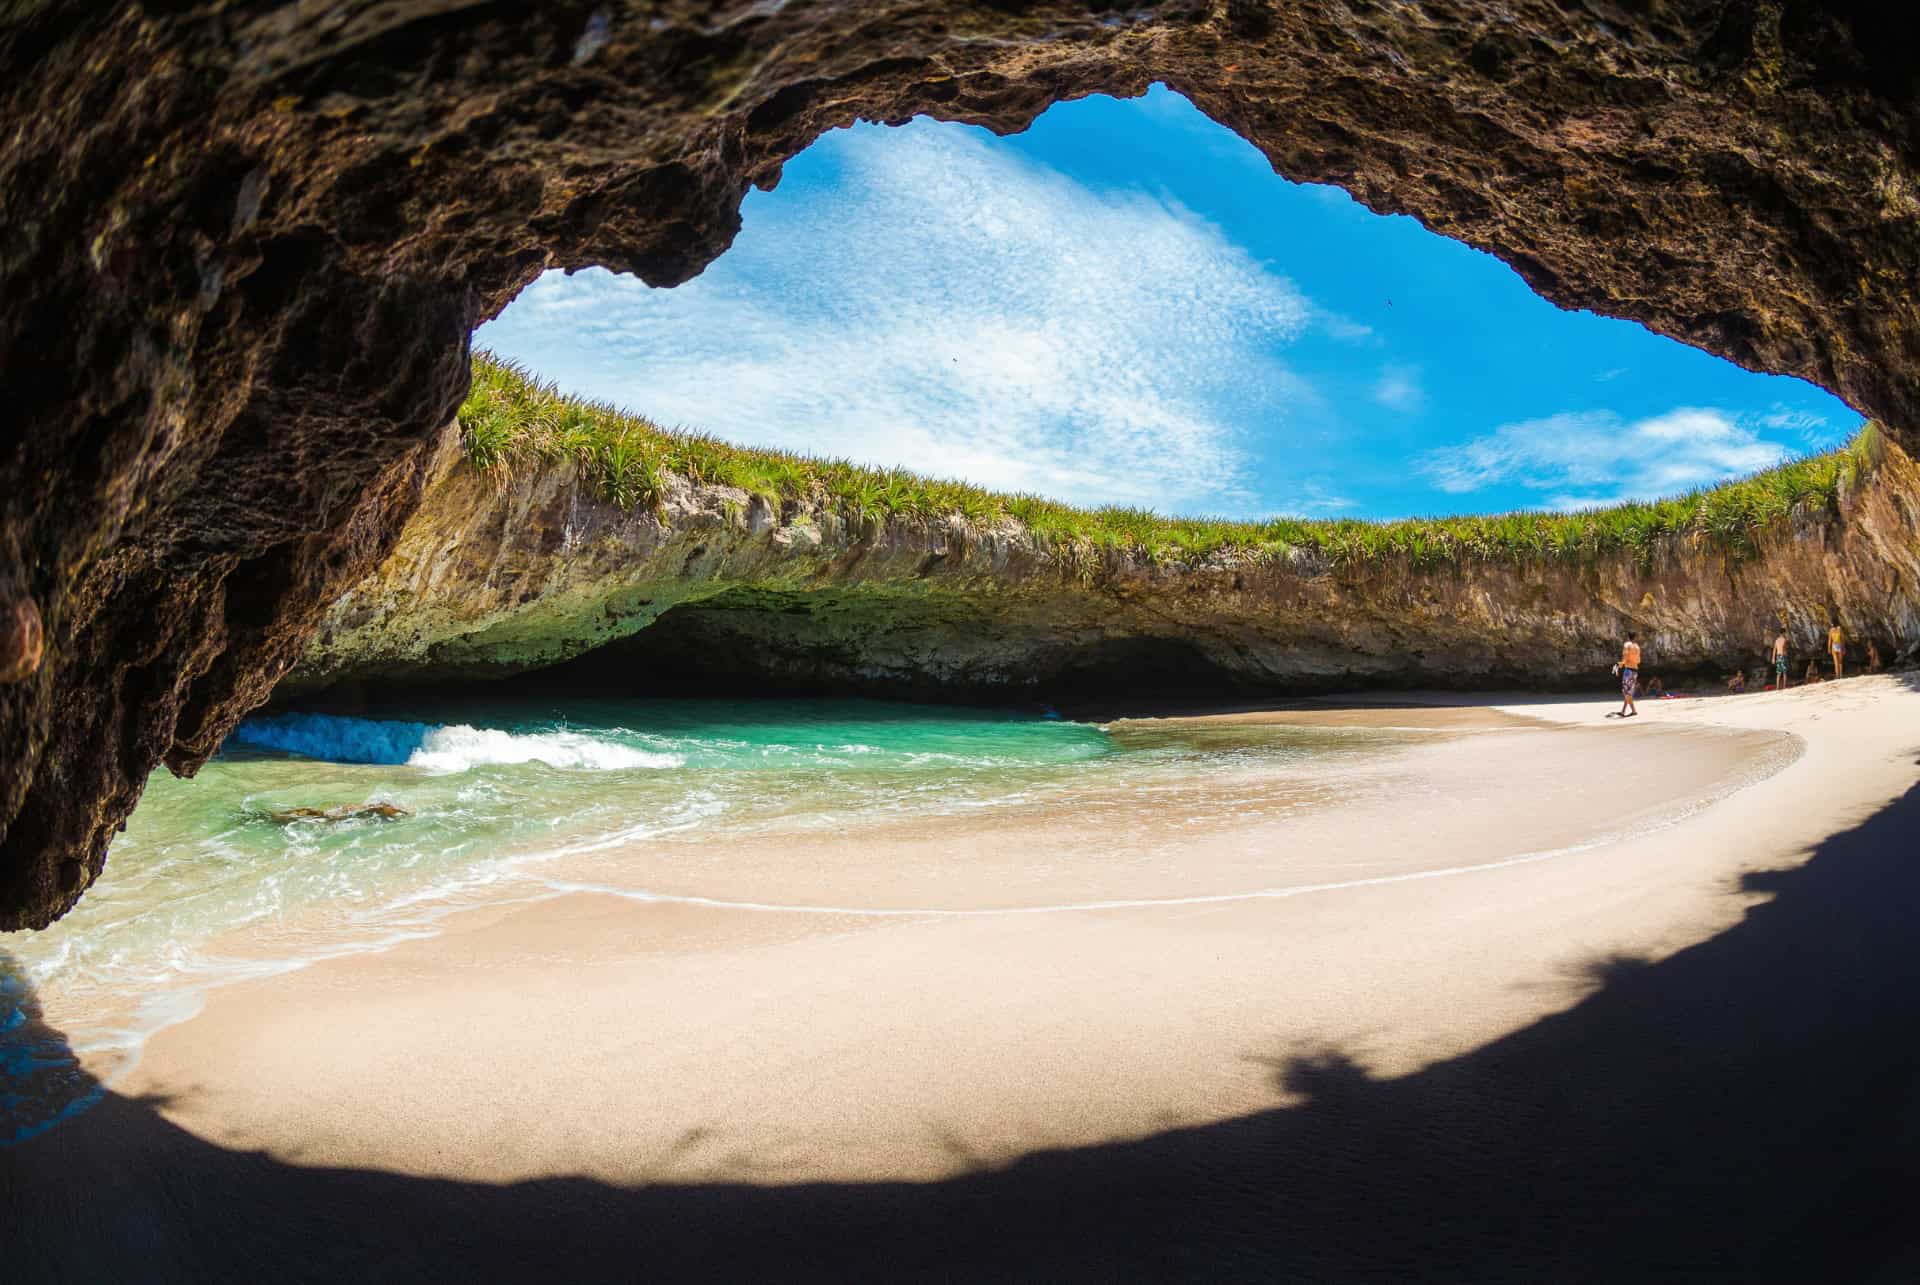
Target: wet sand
(1220,831)
(1185,988)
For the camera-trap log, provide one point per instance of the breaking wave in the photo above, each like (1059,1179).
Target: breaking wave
(457,748)
(439,748)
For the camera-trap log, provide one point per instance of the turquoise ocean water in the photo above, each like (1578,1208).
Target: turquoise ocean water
(207,884)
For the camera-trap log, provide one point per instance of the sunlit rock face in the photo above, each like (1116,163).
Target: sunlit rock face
(246,245)
(717,588)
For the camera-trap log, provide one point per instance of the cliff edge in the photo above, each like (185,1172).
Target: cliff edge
(513,569)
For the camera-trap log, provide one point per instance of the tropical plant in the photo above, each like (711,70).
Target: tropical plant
(511,419)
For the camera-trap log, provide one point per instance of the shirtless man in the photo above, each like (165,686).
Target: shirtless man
(1629,671)
(1837,646)
(1780,662)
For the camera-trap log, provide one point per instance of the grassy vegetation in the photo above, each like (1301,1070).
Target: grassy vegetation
(511,418)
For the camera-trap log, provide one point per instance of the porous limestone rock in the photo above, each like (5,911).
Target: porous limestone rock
(247,243)
(494,577)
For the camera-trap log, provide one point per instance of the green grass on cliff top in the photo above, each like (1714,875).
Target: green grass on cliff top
(510,417)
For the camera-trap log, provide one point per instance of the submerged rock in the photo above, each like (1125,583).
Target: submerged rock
(345,812)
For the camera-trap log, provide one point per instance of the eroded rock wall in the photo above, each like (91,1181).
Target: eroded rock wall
(496,577)
(246,243)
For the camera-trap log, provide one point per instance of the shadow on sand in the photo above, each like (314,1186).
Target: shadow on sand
(1748,1109)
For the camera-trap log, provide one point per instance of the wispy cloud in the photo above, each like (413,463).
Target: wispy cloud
(1338,326)
(1783,416)
(1817,432)
(1399,389)
(960,310)
(1315,499)
(1584,458)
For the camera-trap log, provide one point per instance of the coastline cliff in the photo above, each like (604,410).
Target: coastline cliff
(524,566)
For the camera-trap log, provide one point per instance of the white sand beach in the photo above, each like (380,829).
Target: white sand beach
(861,1018)
(1071,986)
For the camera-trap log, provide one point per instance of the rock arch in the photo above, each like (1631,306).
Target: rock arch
(246,245)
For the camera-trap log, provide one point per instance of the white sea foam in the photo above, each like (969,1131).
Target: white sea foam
(455,748)
(460,747)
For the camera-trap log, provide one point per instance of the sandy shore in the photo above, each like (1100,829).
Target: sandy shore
(866,1014)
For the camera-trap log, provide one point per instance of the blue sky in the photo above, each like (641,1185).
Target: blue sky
(1126,305)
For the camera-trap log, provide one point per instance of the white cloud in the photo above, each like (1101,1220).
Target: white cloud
(1783,416)
(959,310)
(1565,503)
(1337,325)
(1313,499)
(1586,458)
(1399,389)
(1816,432)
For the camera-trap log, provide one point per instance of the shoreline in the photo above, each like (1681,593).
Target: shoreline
(118,1032)
(944,844)
(661,1046)
(511,944)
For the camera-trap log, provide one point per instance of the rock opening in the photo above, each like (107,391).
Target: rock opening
(248,247)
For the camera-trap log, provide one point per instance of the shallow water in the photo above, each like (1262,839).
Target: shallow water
(208,885)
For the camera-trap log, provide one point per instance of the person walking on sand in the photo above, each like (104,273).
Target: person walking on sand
(1780,662)
(1837,647)
(1628,667)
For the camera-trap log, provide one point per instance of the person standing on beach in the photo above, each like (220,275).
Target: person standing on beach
(1837,646)
(1629,670)
(1780,662)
